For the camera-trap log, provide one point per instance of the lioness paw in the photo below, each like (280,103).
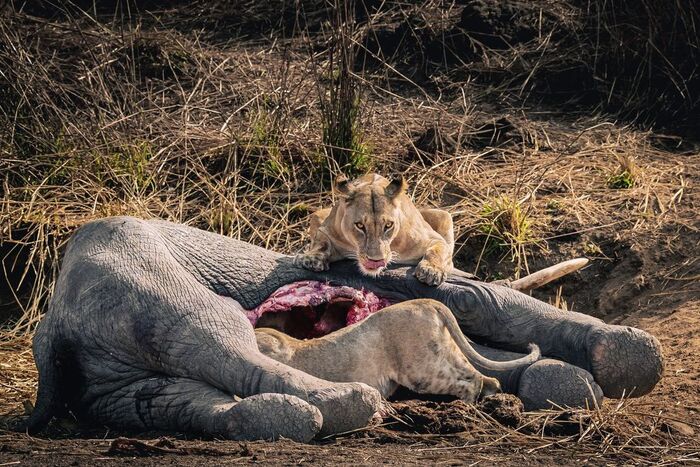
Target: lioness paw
(428,273)
(314,262)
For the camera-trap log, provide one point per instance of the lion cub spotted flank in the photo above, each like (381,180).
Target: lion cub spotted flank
(416,344)
(376,223)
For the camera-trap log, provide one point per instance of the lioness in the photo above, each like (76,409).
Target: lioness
(416,344)
(376,223)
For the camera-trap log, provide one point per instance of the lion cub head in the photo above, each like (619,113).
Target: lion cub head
(370,218)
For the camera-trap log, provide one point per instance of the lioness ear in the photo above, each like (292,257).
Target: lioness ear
(396,187)
(342,186)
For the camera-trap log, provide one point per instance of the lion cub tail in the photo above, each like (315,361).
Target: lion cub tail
(475,357)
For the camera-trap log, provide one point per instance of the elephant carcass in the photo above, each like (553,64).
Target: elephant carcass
(147,329)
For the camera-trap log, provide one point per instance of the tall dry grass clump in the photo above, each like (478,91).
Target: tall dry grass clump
(340,96)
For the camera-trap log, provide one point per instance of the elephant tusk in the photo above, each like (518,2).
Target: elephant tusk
(547,275)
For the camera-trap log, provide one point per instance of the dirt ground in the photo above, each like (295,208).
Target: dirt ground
(462,143)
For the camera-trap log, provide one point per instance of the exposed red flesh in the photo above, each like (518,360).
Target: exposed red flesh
(315,300)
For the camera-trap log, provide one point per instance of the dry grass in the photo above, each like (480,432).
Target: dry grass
(138,117)
(18,376)
(624,432)
(115,118)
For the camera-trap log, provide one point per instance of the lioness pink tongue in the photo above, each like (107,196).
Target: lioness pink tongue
(319,294)
(374,264)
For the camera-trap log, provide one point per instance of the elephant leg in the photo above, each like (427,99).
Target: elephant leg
(546,383)
(552,383)
(344,406)
(236,367)
(182,404)
(625,361)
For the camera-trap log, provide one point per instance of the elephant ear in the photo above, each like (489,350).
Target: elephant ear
(342,187)
(397,186)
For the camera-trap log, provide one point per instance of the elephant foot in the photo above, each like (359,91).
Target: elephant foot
(624,360)
(346,406)
(549,383)
(343,406)
(272,416)
(183,404)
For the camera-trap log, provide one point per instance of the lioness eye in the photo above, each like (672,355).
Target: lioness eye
(360,225)
(389,225)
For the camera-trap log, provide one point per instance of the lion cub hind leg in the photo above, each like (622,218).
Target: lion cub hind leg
(433,363)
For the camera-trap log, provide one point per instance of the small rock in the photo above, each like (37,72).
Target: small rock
(680,428)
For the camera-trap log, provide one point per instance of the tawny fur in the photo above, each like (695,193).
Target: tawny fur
(416,344)
(376,222)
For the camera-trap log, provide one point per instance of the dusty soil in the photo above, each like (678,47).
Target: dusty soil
(418,432)
(417,451)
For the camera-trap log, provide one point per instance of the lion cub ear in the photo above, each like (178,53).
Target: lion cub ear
(396,187)
(342,186)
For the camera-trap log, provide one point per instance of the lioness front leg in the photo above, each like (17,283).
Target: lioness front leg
(437,261)
(436,264)
(316,257)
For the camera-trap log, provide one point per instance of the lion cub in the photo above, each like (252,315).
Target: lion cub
(376,223)
(416,344)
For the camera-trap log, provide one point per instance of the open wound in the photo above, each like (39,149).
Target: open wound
(309,309)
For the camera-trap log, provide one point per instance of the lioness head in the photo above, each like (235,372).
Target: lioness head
(371,218)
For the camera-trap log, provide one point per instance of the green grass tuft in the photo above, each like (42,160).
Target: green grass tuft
(621,181)
(625,176)
(508,227)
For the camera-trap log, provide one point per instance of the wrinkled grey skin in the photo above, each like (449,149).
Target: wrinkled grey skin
(145,331)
